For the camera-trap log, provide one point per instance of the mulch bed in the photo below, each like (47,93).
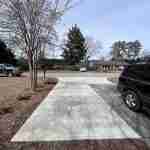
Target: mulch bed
(78,145)
(15,114)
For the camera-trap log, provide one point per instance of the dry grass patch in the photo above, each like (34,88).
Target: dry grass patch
(15,109)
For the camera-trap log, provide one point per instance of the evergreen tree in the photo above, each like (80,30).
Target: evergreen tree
(122,50)
(75,48)
(3,55)
(6,54)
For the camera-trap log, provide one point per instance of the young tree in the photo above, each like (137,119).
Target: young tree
(30,25)
(43,64)
(75,47)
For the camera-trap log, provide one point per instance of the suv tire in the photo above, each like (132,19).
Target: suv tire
(10,74)
(132,100)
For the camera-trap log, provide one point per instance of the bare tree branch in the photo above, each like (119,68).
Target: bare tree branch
(31,24)
(93,47)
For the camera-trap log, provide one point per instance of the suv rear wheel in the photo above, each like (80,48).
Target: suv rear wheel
(132,100)
(10,74)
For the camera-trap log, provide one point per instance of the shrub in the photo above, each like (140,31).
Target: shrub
(51,81)
(72,67)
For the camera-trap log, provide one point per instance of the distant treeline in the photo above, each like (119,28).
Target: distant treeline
(22,63)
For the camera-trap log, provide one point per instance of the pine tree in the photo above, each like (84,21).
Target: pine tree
(75,48)
(6,54)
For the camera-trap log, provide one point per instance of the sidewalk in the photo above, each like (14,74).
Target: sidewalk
(73,111)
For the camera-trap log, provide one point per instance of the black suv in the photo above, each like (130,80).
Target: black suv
(134,85)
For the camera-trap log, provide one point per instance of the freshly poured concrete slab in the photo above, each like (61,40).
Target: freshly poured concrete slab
(74,111)
(86,80)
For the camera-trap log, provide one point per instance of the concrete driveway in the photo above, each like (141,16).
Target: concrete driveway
(81,108)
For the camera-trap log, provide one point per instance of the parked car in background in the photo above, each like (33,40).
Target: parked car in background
(134,85)
(83,69)
(9,70)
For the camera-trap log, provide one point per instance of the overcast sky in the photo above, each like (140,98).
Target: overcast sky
(111,20)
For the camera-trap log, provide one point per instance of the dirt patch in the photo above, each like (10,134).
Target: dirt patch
(125,144)
(15,109)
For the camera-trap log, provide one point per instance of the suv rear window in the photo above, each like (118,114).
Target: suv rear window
(137,71)
(1,66)
(8,65)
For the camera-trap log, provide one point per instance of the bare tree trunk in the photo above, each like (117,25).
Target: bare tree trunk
(32,70)
(44,75)
(31,73)
(34,79)
(36,69)
(34,75)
